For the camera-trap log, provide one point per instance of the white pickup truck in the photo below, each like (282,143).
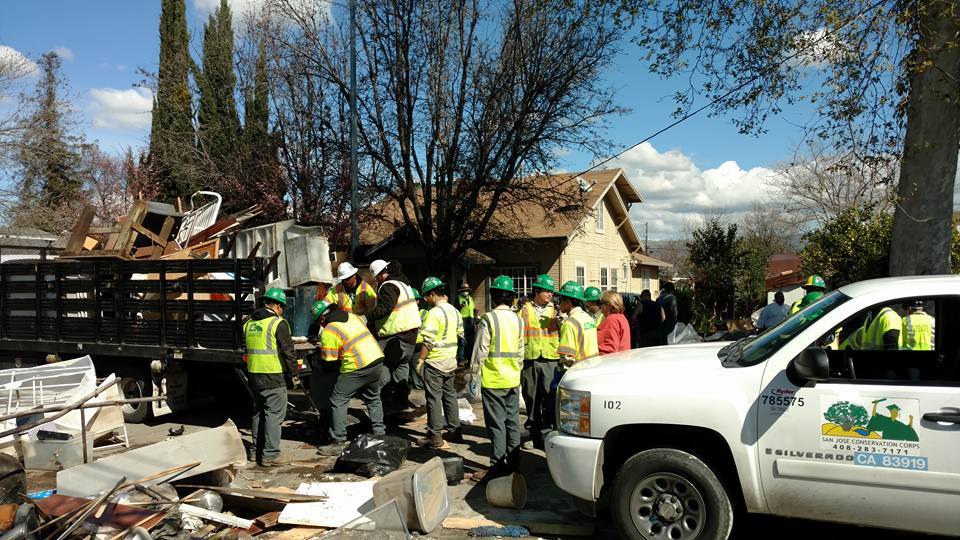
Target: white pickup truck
(682,438)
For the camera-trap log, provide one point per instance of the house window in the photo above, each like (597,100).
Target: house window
(604,278)
(523,277)
(646,278)
(599,217)
(614,283)
(581,276)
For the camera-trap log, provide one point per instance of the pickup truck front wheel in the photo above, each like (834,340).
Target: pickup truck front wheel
(670,494)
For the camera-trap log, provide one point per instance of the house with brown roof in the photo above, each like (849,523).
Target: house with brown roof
(594,243)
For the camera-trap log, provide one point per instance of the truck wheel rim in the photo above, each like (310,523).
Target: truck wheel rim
(667,506)
(132,389)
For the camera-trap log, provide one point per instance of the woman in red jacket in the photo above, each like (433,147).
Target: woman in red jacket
(613,334)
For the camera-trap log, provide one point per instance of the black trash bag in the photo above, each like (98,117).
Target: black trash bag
(373,455)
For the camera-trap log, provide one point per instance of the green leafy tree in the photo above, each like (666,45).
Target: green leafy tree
(218,123)
(846,415)
(882,75)
(855,246)
(172,135)
(716,254)
(48,156)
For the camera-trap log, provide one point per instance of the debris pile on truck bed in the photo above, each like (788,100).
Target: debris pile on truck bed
(154,230)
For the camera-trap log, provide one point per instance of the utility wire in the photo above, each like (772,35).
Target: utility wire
(736,89)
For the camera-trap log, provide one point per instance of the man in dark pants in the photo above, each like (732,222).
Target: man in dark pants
(647,318)
(541,331)
(346,339)
(468,311)
(397,323)
(668,302)
(270,359)
(498,356)
(442,329)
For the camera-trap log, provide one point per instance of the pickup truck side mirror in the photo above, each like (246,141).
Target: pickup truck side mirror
(810,365)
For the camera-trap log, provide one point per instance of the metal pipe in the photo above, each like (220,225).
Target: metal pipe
(354,227)
(99,404)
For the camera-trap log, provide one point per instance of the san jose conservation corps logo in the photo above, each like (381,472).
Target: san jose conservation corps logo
(879,419)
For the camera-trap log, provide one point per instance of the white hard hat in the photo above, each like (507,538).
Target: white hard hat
(345,271)
(378,266)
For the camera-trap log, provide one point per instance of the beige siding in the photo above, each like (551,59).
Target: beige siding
(593,250)
(653,274)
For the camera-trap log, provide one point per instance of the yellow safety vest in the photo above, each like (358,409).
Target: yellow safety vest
(598,317)
(854,341)
(578,336)
(541,334)
(405,315)
(468,308)
(795,307)
(875,328)
(502,366)
(351,343)
(423,316)
(442,326)
(917,332)
(263,354)
(364,297)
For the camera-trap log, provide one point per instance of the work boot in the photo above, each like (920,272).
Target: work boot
(455,436)
(431,441)
(333,449)
(271,462)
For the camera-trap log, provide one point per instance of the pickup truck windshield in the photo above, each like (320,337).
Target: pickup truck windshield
(753,350)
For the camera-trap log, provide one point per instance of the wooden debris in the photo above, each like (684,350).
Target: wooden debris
(219,517)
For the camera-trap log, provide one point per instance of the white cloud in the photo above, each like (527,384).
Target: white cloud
(19,63)
(64,53)
(241,8)
(676,191)
(121,109)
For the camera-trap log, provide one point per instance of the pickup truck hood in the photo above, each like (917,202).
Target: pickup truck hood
(659,361)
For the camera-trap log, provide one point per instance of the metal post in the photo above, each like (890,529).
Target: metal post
(354,227)
(83,434)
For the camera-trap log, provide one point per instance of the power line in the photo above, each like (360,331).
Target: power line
(737,88)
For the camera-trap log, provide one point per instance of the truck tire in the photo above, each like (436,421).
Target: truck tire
(136,383)
(665,493)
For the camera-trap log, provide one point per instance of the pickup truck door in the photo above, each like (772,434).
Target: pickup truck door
(876,443)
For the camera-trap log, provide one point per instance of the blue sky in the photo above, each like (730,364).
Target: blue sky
(701,166)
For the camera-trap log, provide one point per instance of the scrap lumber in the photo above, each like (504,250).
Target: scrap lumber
(300,533)
(79,234)
(275,495)
(213,448)
(535,527)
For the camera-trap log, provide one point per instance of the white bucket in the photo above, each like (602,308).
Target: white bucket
(508,491)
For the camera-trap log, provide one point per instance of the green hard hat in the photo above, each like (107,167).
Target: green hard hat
(416,293)
(591,294)
(545,282)
(810,298)
(571,289)
(430,284)
(277,295)
(503,283)
(319,307)
(815,282)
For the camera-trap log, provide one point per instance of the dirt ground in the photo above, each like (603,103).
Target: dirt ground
(546,503)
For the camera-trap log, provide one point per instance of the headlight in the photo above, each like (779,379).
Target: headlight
(574,411)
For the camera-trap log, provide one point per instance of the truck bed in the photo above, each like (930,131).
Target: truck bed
(181,309)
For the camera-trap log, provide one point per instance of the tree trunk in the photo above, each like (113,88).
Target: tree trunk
(923,218)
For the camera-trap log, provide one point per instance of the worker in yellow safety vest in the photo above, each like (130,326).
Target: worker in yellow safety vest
(270,359)
(813,284)
(918,328)
(347,340)
(468,312)
(498,357)
(883,331)
(442,331)
(397,322)
(541,335)
(351,294)
(591,304)
(578,332)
